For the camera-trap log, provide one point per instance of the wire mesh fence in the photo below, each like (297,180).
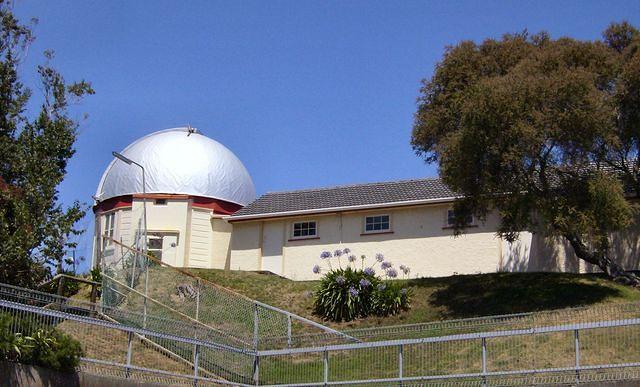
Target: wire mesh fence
(136,350)
(567,353)
(137,282)
(570,353)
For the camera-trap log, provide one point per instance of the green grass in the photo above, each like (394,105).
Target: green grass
(443,298)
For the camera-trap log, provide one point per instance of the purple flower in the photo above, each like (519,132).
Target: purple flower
(392,273)
(379,257)
(325,254)
(405,269)
(346,250)
(353,291)
(365,283)
(352,258)
(382,287)
(340,280)
(316,269)
(369,271)
(404,291)
(337,253)
(386,265)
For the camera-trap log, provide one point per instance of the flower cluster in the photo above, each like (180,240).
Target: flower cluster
(352,291)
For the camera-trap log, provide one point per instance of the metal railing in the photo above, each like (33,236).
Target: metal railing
(562,353)
(137,282)
(572,353)
(137,350)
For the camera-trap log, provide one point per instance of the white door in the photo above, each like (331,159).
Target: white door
(169,249)
(272,247)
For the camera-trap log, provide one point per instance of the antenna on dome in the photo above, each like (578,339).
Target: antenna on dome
(191,130)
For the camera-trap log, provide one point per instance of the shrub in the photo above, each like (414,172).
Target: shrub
(47,348)
(348,293)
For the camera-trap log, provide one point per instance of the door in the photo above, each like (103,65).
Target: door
(272,247)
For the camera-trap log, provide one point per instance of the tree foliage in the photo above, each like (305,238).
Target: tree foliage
(546,132)
(35,148)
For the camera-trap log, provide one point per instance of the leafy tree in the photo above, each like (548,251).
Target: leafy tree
(34,151)
(546,132)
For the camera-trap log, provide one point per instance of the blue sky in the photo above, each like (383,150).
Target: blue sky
(306,94)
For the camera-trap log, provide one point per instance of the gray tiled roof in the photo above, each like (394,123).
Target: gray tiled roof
(347,196)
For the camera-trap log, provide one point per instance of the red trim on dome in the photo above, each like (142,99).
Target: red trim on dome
(216,205)
(113,203)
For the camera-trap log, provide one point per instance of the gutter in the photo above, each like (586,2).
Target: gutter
(232,218)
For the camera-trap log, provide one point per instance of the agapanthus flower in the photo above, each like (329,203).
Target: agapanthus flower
(404,291)
(379,257)
(353,291)
(346,250)
(382,287)
(369,271)
(386,265)
(316,269)
(340,280)
(352,258)
(392,273)
(405,269)
(337,253)
(365,283)
(325,254)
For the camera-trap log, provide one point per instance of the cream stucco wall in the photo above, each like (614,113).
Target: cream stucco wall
(203,241)
(418,240)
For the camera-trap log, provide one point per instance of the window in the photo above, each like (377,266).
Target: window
(162,243)
(160,202)
(109,228)
(304,229)
(451,216)
(377,223)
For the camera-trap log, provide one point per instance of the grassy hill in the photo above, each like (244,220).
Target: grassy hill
(452,297)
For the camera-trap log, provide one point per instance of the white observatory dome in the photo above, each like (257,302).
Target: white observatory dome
(179,161)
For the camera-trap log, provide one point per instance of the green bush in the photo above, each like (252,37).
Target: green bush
(345,294)
(47,348)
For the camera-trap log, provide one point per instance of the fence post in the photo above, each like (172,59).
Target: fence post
(577,347)
(325,361)
(255,326)
(484,361)
(196,362)
(60,291)
(288,330)
(400,361)
(129,353)
(94,295)
(133,270)
(197,299)
(256,369)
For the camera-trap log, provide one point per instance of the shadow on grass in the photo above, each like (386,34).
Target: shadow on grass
(504,293)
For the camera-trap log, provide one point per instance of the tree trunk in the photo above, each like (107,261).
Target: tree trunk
(603,261)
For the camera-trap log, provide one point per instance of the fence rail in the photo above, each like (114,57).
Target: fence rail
(138,282)
(562,353)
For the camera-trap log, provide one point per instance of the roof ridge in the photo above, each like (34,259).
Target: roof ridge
(352,185)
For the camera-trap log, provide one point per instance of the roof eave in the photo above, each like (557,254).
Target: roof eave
(237,218)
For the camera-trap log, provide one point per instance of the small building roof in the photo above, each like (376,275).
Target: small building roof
(345,198)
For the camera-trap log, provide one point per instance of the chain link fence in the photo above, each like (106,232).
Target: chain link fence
(596,351)
(137,282)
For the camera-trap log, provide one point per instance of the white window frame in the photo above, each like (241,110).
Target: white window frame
(109,228)
(447,224)
(293,226)
(364,224)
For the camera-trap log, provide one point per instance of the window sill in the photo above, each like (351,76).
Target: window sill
(376,233)
(302,239)
(451,227)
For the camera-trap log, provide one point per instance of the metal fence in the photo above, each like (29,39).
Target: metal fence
(565,353)
(137,282)
(137,353)
(570,353)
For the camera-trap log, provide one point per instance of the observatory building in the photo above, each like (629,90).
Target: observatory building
(190,183)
